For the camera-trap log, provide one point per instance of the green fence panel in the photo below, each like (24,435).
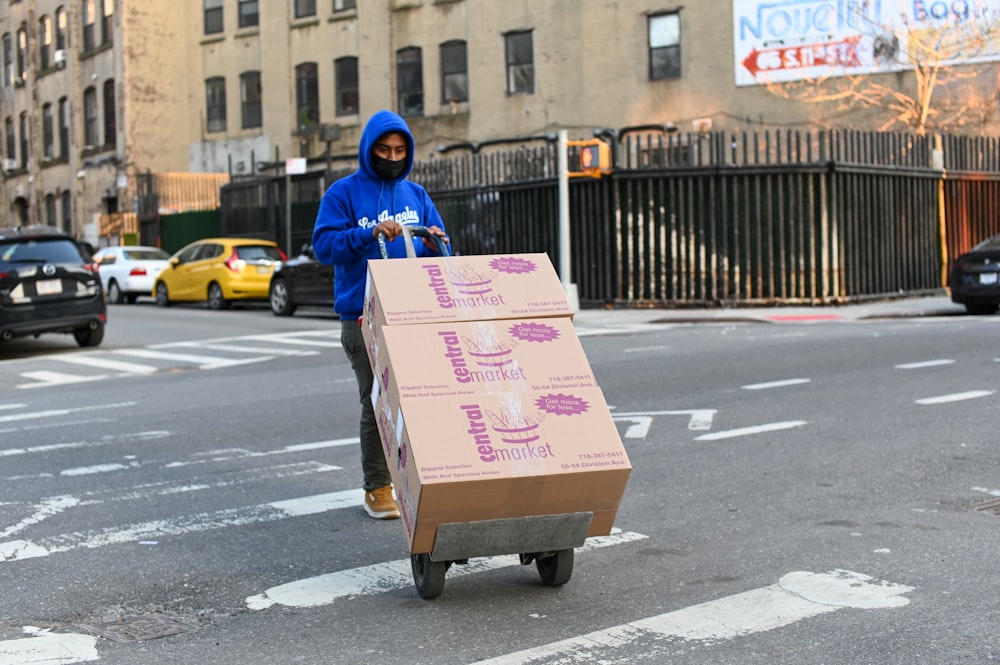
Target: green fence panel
(178,230)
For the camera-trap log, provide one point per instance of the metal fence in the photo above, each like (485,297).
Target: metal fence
(746,218)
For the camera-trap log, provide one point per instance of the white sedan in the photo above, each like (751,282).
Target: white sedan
(128,272)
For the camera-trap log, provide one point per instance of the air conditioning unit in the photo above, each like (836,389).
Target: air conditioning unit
(9,165)
(59,58)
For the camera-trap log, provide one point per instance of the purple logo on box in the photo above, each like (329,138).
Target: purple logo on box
(562,405)
(513,265)
(534,332)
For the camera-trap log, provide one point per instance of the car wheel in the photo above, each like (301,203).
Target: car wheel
(114,293)
(215,298)
(981,308)
(162,297)
(281,300)
(90,335)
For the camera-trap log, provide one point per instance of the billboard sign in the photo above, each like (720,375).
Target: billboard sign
(790,40)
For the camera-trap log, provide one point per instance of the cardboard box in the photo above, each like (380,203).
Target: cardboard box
(468,357)
(502,455)
(462,288)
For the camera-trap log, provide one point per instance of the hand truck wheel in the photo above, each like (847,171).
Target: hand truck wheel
(428,576)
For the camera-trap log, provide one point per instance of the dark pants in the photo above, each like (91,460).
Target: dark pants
(373,465)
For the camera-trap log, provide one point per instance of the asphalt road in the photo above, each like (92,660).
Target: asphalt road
(806,492)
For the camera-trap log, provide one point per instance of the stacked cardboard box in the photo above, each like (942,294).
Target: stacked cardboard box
(486,403)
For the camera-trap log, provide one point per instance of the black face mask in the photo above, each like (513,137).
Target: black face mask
(388,169)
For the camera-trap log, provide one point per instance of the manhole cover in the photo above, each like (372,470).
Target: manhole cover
(992,507)
(136,629)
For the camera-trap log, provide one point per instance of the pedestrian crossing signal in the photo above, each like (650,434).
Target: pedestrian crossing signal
(595,158)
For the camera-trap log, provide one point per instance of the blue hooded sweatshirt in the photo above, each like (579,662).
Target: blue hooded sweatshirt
(355,204)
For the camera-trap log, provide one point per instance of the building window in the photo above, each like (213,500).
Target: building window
(90,138)
(44,43)
(64,128)
(454,73)
(306,95)
(22,55)
(250,98)
(304,8)
(215,103)
(23,131)
(107,21)
(665,46)
(67,211)
(50,209)
(110,123)
(89,25)
(61,41)
(48,132)
(248,13)
(11,138)
(213,16)
(346,85)
(8,60)
(520,62)
(410,81)
(343,5)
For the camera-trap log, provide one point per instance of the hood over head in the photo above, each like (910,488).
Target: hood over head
(382,123)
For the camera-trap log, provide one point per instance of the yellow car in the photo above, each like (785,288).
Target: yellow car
(218,270)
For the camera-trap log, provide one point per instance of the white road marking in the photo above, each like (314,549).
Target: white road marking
(639,427)
(4,407)
(239,453)
(926,363)
(700,419)
(796,596)
(91,470)
(775,384)
(51,413)
(47,508)
(747,431)
(247,349)
(955,397)
(643,349)
(16,550)
(45,648)
(50,447)
(46,378)
(203,362)
(382,577)
(104,362)
(986,490)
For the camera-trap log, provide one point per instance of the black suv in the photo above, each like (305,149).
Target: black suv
(301,281)
(48,284)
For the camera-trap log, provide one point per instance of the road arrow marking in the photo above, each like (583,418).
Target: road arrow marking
(700,419)
(747,431)
(796,596)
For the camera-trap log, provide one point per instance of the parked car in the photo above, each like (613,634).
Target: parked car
(49,284)
(301,281)
(974,279)
(219,270)
(128,272)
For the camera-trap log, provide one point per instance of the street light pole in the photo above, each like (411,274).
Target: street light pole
(564,253)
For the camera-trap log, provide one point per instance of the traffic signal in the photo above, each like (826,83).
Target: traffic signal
(595,158)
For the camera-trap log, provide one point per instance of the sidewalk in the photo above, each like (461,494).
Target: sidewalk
(887,309)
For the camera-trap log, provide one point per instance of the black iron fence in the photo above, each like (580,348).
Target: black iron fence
(704,219)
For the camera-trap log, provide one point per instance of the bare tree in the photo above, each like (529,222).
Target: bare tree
(939,86)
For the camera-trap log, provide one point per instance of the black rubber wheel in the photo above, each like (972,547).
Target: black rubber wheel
(215,298)
(114,293)
(162,297)
(555,570)
(281,299)
(428,576)
(89,335)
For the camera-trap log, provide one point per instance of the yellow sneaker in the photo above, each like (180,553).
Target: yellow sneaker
(380,504)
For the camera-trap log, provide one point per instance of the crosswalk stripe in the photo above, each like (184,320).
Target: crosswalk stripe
(104,362)
(17,550)
(205,362)
(382,577)
(797,596)
(44,378)
(236,348)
